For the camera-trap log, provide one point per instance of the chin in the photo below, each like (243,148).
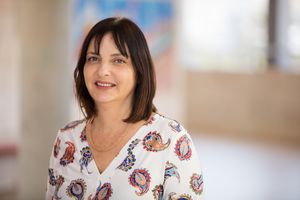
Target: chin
(103,100)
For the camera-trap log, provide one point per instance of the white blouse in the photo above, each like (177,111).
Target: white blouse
(158,162)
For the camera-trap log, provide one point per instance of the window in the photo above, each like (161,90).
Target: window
(228,35)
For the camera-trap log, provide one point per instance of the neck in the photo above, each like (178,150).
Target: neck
(110,118)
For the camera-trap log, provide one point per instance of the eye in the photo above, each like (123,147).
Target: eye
(119,61)
(92,59)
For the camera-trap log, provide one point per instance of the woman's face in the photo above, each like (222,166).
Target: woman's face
(109,76)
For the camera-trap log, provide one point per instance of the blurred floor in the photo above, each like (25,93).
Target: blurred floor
(236,170)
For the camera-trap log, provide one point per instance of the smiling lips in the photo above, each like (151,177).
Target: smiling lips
(104,84)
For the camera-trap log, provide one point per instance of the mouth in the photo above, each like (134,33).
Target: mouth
(104,84)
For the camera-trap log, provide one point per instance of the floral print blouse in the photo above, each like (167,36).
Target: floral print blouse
(158,162)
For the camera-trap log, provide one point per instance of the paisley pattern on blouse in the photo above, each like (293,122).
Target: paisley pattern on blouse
(183,148)
(174,196)
(85,159)
(83,137)
(77,189)
(153,142)
(150,121)
(156,164)
(55,181)
(175,126)
(140,179)
(171,171)
(197,183)
(103,192)
(56,148)
(71,125)
(68,156)
(158,192)
(128,162)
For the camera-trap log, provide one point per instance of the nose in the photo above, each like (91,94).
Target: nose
(104,69)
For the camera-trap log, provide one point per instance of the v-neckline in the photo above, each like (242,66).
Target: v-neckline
(119,158)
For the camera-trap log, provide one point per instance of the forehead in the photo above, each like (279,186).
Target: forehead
(108,42)
(96,42)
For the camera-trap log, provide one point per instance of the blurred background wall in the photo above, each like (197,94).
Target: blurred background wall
(228,70)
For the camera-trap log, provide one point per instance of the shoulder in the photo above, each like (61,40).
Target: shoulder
(72,125)
(72,129)
(69,134)
(167,125)
(169,129)
(66,142)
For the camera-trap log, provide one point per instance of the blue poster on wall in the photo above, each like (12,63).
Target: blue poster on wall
(153,17)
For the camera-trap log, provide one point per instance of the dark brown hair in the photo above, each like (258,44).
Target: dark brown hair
(127,36)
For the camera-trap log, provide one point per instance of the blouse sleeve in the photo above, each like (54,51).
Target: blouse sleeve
(54,180)
(183,175)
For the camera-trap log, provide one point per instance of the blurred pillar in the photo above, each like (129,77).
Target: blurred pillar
(272,31)
(279,22)
(46,87)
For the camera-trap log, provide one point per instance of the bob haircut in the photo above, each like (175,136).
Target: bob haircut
(127,37)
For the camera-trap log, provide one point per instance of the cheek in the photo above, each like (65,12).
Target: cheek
(132,78)
(126,76)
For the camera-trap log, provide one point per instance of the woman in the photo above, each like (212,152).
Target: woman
(122,149)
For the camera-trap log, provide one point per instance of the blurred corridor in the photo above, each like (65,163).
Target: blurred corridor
(229,71)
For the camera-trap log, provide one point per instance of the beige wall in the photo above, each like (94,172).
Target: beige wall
(44,89)
(9,73)
(262,106)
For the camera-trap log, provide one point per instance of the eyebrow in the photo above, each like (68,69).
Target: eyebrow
(113,55)
(116,54)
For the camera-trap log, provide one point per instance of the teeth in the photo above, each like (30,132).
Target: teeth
(104,84)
